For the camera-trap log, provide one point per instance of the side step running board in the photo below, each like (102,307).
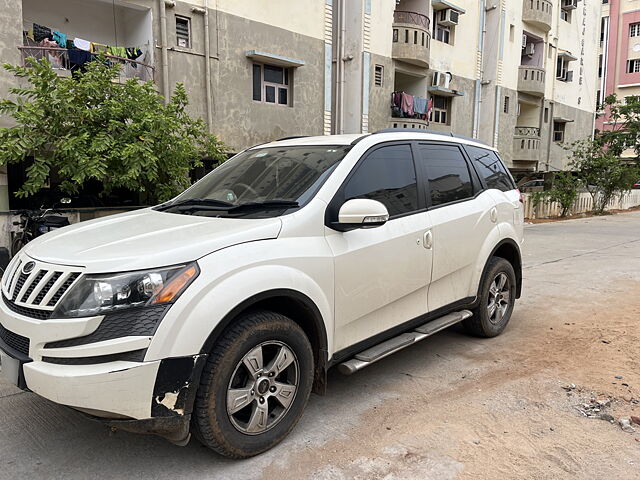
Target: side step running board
(384,349)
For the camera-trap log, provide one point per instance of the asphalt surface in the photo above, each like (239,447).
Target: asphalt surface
(362,427)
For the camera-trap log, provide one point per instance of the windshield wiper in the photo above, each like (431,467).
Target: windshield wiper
(267,204)
(196,203)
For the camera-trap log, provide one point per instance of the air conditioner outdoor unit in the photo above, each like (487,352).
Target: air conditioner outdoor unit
(530,49)
(448,17)
(569,4)
(448,76)
(569,76)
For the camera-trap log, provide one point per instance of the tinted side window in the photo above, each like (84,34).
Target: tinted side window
(389,176)
(489,167)
(447,172)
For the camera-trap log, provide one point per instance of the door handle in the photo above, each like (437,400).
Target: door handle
(428,240)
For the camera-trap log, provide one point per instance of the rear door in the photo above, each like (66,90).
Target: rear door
(500,185)
(381,274)
(460,213)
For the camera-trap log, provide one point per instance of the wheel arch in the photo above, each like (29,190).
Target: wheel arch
(298,307)
(509,250)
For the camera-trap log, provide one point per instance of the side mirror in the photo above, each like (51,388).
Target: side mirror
(361,213)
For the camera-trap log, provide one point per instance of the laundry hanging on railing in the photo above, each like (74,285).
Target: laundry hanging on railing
(39,33)
(404,105)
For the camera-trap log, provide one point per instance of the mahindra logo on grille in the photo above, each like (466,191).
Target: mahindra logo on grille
(28,267)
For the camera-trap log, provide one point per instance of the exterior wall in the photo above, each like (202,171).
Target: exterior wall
(618,47)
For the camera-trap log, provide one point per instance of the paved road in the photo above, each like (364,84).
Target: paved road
(450,407)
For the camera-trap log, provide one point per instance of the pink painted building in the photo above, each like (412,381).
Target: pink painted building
(619,65)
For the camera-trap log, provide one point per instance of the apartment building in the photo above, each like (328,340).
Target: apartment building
(519,75)
(619,59)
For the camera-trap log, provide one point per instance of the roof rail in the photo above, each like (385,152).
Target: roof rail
(362,137)
(432,132)
(291,138)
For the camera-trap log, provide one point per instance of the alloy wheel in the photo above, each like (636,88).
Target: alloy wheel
(263,387)
(499,298)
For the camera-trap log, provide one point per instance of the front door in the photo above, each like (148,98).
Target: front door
(382,274)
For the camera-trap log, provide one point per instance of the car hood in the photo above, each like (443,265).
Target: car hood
(146,239)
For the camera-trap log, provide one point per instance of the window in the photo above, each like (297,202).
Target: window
(634,30)
(183,32)
(447,172)
(388,176)
(558,131)
(378,75)
(395,35)
(505,108)
(562,72)
(546,115)
(490,168)
(440,111)
(512,32)
(600,66)
(442,34)
(633,66)
(565,15)
(271,84)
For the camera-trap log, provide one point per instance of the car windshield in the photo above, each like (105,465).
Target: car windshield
(260,182)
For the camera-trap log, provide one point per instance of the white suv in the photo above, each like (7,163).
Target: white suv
(218,312)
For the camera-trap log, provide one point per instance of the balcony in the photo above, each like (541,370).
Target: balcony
(531,80)
(411,38)
(526,144)
(538,13)
(59,59)
(408,123)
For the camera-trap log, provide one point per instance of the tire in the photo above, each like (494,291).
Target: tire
(489,319)
(17,245)
(232,371)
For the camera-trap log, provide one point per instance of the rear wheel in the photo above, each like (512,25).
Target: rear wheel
(497,297)
(17,244)
(255,385)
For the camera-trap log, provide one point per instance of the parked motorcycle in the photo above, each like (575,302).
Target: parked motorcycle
(34,223)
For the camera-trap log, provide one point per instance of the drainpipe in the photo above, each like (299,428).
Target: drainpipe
(163,48)
(478,93)
(340,61)
(207,63)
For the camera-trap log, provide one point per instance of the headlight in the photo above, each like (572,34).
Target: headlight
(102,294)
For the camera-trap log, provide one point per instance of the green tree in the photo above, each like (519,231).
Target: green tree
(598,166)
(91,127)
(564,191)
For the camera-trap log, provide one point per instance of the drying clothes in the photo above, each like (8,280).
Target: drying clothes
(40,32)
(407,104)
(396,99)
(82,44)
(78,59)
(99,47)
(117,52)
(420,105)
(70,44)
(134,53)
(60,38)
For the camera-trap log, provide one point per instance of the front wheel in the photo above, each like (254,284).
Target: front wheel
(17,244)
(255,385)
(497,298)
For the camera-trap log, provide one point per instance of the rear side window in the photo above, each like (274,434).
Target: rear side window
(490,168)
(447,173)
(388,176)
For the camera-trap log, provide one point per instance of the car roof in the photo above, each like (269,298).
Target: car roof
(383,136)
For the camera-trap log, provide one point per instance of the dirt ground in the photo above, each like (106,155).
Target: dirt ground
(450,407)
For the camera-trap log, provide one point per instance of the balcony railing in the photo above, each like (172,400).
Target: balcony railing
(528,131)
(538,12)
(59,59)
(413,18)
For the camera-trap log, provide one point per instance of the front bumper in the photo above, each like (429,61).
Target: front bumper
(97,385)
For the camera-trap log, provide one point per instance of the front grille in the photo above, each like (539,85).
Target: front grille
(26,311)
(37,292)
(63,288)
(14,341)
